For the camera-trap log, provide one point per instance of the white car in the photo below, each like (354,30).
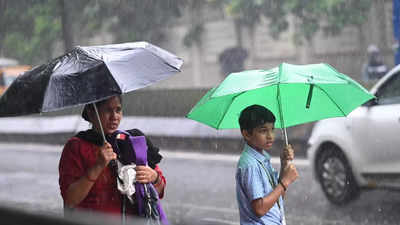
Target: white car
(362,150)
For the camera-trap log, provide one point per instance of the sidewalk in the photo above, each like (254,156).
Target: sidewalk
(166,153)
(171,133)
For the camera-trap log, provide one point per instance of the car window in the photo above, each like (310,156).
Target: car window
(389,93)
(8,80)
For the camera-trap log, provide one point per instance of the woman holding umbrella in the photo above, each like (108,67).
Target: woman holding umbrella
(87,172)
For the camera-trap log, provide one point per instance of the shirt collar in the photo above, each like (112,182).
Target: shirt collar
(264,157)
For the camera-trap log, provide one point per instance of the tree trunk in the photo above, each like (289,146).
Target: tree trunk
(381,16)
(362,44)
(66,25)
(252,46)
(3,26)
(238,32)
(197,50)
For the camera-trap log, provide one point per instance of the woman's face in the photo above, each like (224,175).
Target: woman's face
(110,114)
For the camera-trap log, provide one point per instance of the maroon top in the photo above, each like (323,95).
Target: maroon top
(77,157)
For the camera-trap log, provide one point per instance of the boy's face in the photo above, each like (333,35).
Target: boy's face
(261,137)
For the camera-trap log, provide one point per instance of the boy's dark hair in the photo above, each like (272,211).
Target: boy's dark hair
(254,116)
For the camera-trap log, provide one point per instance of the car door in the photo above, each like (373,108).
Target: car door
(382,141)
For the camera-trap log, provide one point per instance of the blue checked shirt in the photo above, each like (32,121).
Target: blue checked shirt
(253,181)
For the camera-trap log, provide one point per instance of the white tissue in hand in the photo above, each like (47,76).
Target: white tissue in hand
(127,179)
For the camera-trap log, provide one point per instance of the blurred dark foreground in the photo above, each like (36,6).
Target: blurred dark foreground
(11,216)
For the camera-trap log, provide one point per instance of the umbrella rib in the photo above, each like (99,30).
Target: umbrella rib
(223,117)
(177,67)
(331,99)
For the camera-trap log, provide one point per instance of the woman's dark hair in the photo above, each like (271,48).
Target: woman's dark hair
(89,107)
(254,116)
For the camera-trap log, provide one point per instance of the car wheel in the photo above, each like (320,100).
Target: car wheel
(335,176)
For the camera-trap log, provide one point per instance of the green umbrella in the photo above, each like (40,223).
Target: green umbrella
(296,94)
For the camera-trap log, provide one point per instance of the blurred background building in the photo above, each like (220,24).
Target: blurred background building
(214,37)
(346,50)
(254,34)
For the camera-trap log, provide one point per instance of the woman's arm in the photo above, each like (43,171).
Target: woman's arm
(78,190)
(145,175)
(160,183)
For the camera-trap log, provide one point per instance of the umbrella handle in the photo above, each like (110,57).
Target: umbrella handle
(285,138)
(283,128)
(98,119)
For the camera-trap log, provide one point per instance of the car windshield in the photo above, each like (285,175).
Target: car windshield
(389,93)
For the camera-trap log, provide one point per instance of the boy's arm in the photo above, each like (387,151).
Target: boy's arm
(262,205)
(283,166)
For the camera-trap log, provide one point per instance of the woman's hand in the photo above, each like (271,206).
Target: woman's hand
(145,174)
(105,155)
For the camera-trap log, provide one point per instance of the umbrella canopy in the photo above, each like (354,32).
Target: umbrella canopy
(296,94)
(86,75)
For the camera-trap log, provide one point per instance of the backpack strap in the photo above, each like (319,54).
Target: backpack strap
(141,160)
(140,148)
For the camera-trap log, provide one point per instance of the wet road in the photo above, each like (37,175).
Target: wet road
(200,190)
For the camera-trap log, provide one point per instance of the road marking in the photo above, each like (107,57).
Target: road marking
(219,221)
(180,154)
(197,208)
(312,219)
(205,208)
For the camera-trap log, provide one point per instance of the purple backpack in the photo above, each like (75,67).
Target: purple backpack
(134,149)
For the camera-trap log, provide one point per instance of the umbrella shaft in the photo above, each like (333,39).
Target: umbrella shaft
(100,125)
(284,136)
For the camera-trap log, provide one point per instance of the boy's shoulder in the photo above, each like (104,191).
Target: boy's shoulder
(246,160)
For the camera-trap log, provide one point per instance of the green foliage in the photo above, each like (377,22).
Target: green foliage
(193,35)
(247,12)
(196,7)
(250,12)
(30,32)
(346,13)
(310,16)
(330,16)
(30,29)
(138,20)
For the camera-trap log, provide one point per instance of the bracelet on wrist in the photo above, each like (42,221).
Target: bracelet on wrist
(89,179)
(284,187)
(157,179)
(158,183)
